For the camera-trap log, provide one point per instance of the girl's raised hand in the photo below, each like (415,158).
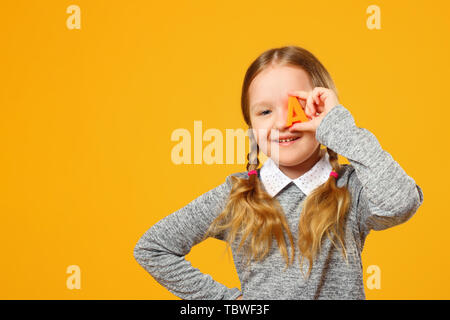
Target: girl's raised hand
(316,104)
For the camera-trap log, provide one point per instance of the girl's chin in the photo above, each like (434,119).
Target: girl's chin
(289,163)
(288,159)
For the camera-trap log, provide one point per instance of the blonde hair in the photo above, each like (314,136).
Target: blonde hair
(253,216)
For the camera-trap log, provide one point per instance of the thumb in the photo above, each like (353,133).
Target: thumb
(304,126)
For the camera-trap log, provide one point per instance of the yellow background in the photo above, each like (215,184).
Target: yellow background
(86,118)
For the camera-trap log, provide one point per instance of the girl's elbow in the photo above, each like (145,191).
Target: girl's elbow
(381,218)
(415,200)
(418,199)
(144,251)
(408,206)
(137,253)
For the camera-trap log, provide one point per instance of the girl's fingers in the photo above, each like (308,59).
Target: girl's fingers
(302,97)
(317,98)
(308,98)
(310,108)
(315,102)
(299,94)
(303,126)
(320,95)
(311,125)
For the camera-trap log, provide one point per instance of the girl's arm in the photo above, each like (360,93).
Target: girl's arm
(161,250)
(387,195)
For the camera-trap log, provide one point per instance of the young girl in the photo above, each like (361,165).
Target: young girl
(301,203)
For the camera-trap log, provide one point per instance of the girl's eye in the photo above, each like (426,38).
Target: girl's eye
(263,112)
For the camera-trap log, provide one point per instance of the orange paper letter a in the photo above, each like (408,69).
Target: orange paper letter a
(295,112)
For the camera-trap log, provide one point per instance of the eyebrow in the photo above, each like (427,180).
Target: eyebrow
(259,104)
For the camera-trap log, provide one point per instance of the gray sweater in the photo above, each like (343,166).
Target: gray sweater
(383,196)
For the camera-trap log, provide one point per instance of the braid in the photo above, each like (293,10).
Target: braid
(333,157)
(252,156)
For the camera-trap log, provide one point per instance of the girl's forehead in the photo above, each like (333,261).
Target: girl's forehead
(274,83)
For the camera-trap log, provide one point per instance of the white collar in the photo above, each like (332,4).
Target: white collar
(275,180)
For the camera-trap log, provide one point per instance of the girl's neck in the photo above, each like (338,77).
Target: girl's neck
(296,171)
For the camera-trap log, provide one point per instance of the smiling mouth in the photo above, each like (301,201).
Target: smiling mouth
(286,141)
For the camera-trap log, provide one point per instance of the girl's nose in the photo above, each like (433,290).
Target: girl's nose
(281,118)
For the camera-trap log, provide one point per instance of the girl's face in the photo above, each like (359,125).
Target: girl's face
(268,101)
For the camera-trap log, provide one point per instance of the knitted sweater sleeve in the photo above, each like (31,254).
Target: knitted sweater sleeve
(161,250)
(387,196)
